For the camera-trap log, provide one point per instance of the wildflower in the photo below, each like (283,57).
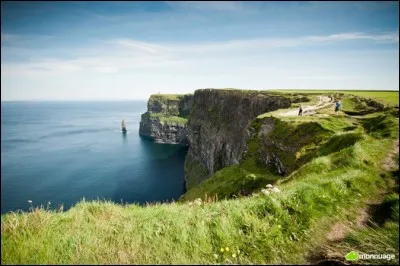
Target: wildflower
(29,201)
(252,176)
(268,186)
(279,226)
(227,249)
(233,255)
(49,203)
(275,189)
(265,192)
(198,201)
(222,249)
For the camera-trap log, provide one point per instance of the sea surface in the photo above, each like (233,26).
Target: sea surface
(55,153)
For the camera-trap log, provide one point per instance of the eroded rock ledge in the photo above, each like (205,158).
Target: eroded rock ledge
(218,128)
(166,118)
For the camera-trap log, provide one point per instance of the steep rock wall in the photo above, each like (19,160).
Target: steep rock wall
(166,118)
(218,128)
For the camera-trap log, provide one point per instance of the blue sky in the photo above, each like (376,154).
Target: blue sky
(129,50)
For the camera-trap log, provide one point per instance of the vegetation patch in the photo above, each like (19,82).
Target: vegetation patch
(386,97)
(333,165)
(228,231)
(277,140)
(169,119)
(382,126)
(163,97)
(195,172)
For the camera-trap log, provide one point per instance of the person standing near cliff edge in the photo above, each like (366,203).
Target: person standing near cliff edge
(338,106)
(301,110)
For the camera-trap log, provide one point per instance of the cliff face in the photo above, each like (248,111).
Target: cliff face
(166,118)
(170,104)
(218,128)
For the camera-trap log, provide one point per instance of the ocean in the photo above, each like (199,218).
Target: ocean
(62,152)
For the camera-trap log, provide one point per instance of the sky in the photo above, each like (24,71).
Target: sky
(129,50)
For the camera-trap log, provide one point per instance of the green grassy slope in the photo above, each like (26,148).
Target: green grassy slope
(265,229)
(326,183)
(162,97)
(387,97)
(170,119)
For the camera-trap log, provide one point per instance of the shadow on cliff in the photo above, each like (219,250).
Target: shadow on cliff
(160,179)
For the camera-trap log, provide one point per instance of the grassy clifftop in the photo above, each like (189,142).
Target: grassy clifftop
(278,228)
(281,145)
(334,166)
(169,108)
(386,97)
(161,97)
(169,119)
(166,118)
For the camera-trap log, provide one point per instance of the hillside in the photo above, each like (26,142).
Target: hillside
(331,175)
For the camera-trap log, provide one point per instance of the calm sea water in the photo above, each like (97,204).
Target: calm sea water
(61,152)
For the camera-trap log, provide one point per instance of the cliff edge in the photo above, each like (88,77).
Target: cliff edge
(218,128)
(166,118)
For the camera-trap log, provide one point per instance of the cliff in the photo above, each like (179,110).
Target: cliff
(337,169)
(218,128)
(166,118)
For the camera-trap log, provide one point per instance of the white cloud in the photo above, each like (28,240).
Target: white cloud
(342,77)
(133,69)
(391,37)
(24,40)
(134,45)
(6,37)
(209,5)
(123,54)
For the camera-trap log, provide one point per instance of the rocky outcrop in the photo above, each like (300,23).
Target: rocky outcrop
(218,128)
(166,118)
(163,131)
(362,106)
(170,104)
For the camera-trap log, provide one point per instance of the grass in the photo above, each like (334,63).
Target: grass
(386,97)
(169,119)
(168,107)
(171,97)
(380,234)
(294,98)
(252,173)
(304,138)
(265,229)
(334,168)
(194,172)
(381,126)
(229,182)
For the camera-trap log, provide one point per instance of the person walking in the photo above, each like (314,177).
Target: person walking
(301,110)
(338,105)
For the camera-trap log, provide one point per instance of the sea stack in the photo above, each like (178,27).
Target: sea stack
(123,126)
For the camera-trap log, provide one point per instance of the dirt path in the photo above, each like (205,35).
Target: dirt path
(323,102)
(390,164)
(327,253)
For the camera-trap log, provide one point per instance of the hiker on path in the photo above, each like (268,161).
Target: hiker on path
(338,105)
(300,111)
